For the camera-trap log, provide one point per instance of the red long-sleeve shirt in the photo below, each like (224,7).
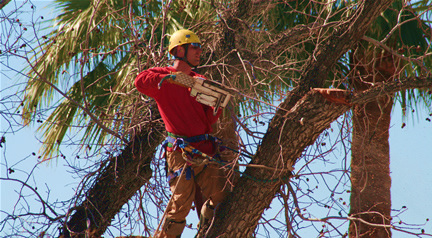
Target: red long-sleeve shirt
(181,113)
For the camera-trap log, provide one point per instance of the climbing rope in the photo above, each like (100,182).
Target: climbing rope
(170,201)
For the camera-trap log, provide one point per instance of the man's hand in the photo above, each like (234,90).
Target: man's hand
(334,95)
(169,77)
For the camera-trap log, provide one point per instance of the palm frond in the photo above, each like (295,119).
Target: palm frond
(68,114)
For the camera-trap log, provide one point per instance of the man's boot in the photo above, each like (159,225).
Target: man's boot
(207,212)
(171,229)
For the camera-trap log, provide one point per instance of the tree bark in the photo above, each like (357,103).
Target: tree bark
(370,199)
(4,3)
(286,138)
(370,169)
(118,181)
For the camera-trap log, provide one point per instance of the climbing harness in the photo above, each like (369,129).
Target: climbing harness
(188,152)
(183,143)
(191,155)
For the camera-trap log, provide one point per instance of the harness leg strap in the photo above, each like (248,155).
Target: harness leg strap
(189,174)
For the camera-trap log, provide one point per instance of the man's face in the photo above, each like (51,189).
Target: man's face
(194,54)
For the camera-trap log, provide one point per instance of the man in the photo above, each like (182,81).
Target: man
(184,118)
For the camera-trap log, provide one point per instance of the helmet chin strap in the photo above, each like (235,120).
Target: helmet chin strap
(184,58)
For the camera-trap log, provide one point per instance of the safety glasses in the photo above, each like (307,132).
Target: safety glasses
(196,45)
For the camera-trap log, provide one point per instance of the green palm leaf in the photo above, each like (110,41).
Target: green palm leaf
(92,53)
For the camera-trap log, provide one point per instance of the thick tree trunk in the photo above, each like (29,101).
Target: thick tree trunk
(370,161)
(284,142)
(370,169)
(286,138)
(118,181)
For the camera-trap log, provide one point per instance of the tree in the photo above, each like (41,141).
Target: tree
(231,56)
(370,174)
(374,63)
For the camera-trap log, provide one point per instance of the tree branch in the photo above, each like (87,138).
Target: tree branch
(286,138)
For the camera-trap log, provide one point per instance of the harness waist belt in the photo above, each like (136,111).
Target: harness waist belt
(171,138)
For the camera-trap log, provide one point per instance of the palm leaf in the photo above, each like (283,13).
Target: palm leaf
(68,115)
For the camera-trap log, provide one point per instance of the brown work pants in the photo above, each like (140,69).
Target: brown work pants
(210,178)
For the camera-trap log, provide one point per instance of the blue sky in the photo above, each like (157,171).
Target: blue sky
(410,151)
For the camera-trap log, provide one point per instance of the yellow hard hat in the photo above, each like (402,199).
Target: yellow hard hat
(182,37)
